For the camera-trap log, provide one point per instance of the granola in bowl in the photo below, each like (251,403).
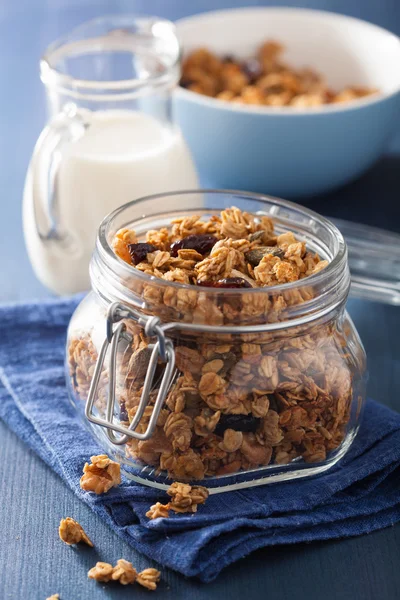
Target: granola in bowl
(267,372)
(261,80)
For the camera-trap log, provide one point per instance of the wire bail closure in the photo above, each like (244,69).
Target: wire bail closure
(162,349)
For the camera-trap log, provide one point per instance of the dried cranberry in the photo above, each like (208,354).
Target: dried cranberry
(273,404)
(139,251)
(252,68)
(246,423)
(201,243)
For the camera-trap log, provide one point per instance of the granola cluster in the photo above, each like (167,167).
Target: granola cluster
(101,475)
(236,401)
(71,532)
(125,573)
(184,498)
(261,80)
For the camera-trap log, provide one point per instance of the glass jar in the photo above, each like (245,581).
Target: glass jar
(109,87)
(228,387)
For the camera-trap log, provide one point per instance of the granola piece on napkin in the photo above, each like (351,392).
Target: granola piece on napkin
(158,510)
(186,498)
(101,475)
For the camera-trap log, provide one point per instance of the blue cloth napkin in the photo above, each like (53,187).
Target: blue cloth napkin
(359,496)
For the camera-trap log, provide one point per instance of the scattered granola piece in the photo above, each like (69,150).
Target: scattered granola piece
(149,578)
(158,511)
(102,571)
(185,498)
(54,597)
(71,532)
(101,475)
(124,572)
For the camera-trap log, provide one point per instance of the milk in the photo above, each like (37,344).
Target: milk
(121,156)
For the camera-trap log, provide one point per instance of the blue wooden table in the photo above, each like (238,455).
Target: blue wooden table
(33,562)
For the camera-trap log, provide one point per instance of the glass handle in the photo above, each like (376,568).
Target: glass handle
(66,128)
(374,261)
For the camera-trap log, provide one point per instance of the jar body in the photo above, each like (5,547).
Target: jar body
(242,409)
(228,387)
(109,85)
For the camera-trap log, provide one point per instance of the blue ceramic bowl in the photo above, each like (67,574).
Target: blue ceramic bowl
(287,151)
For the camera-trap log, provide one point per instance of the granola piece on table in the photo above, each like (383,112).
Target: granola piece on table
(71,532)
(124,572)
(102,571)
(149,578)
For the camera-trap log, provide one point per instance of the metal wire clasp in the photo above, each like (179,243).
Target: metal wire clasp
(162,350)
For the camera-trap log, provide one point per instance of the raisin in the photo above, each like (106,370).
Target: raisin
(186,83)
(228,58)
(140,251)
(254,256)
(273,404)
(246,423)
(252,69)
(201,243)
(229,282)
(233,282)
(123,413)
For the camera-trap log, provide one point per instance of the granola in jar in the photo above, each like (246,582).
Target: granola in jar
(238,401)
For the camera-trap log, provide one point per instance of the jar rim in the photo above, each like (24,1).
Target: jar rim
(117,36)
(106,254)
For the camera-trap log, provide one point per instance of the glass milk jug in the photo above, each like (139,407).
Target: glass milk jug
(110,139)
